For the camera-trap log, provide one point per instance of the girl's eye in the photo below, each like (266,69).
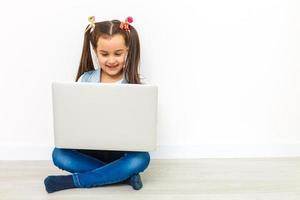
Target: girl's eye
(118,54)
(104,55)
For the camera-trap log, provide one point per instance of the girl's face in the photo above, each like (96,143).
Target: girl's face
(111,53)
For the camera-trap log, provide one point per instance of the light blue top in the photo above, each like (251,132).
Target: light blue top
(94,76)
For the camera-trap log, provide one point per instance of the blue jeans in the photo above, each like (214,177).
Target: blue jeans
(95,168)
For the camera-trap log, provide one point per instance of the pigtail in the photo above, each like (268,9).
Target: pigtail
(86,62)
(133,58)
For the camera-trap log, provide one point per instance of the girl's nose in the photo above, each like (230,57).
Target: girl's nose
(111,60)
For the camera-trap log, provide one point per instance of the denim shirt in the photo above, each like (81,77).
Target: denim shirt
(94,76)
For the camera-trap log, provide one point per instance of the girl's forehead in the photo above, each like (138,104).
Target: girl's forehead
(113,42)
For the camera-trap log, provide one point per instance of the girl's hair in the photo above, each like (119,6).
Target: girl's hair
(107,29)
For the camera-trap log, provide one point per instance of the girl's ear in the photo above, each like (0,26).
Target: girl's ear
(126,54)
(127,50)
(95,51)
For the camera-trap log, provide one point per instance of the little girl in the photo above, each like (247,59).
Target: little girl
(116,46)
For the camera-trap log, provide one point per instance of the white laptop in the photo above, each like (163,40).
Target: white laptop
(104,116)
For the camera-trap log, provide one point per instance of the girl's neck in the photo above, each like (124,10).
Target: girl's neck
(105,78)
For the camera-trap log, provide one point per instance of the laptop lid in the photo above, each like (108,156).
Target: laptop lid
(104,116)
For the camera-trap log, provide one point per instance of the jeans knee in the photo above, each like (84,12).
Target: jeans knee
(139,162)
(55,155)
(146,158)
(59,157)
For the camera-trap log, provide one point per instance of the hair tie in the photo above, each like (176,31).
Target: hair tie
(125,25)
(92,24)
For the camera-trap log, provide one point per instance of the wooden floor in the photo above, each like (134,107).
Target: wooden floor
(207,179)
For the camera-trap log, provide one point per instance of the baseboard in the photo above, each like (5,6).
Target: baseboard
(40,152)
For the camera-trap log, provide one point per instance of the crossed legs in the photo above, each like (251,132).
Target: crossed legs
(88,171)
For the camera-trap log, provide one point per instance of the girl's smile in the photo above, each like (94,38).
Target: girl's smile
(112,66)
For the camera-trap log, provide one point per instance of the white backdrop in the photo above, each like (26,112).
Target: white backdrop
(228,72)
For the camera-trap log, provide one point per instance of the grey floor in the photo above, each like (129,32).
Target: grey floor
(230,179)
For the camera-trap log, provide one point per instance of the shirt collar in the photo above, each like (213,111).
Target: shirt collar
(98,74)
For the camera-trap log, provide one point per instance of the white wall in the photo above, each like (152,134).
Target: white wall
(228,72)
